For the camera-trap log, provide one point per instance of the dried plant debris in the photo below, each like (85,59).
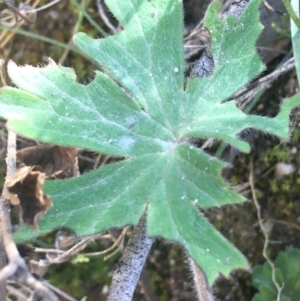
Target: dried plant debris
(204,66)
(35,164)
(56,162)
(11,16)
(26,190)
(25,251)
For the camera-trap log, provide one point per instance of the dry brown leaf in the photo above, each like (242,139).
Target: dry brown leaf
(25,190)
(25,251)
(55,161)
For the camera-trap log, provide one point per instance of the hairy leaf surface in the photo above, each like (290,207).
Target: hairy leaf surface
(139,107)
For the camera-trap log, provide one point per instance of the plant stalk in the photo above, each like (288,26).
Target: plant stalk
(129,267)
(202,289)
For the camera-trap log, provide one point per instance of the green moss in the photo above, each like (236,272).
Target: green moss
(286,185)
(279,153)
(296,135)
(274,186)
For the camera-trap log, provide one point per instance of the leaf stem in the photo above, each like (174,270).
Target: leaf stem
(200,282)
(291,12)
(129,267)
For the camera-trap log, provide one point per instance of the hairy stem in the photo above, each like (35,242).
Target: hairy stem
(129,267)
(200,282)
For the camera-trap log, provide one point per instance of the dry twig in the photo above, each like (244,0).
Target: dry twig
(116,243)
(265,233)
(104,17)
(250,90)
(58,291)
(16,268)
(71,252)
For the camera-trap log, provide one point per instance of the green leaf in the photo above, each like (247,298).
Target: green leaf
(287,273)
(143,111)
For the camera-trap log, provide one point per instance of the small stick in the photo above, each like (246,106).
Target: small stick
(264,82)
(58,291)
(104,17)
(17,12)
(265,233)
(116,243)
(16,267)
(17,292)
(71,252)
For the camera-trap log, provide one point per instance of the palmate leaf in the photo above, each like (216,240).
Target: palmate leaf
(287,272)
(141,111)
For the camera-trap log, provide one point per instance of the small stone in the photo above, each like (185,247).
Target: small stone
(283,169)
